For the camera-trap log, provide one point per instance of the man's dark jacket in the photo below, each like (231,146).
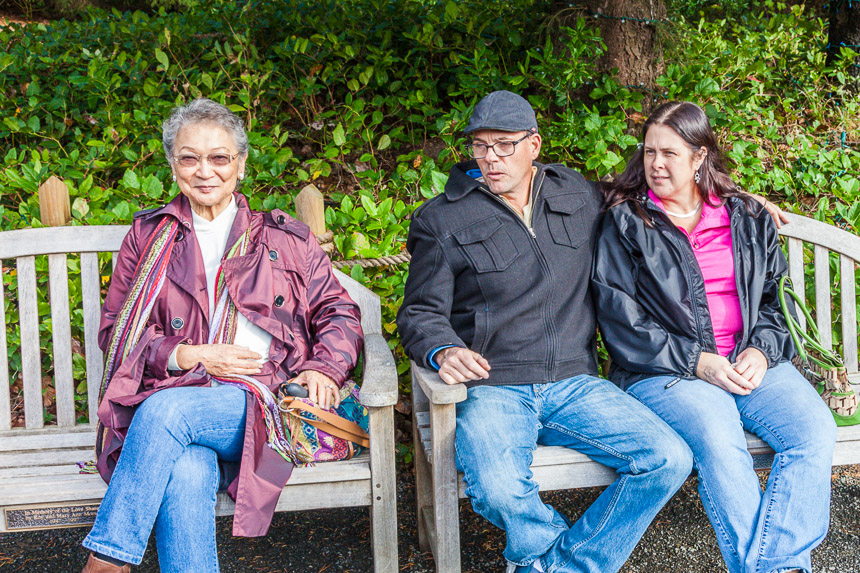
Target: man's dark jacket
(651,293)
(481,279)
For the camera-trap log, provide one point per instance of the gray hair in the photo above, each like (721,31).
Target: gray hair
(203,110)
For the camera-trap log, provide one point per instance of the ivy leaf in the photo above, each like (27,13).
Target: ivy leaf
(384,143)
(11,123)
(438,181)
(130,180)
(80,208)
(339,136)
(162,59)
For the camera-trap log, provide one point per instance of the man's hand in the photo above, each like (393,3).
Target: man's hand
(457,364)
(321,388)
(219,359)
(773,210)
(718,371)
(751,364)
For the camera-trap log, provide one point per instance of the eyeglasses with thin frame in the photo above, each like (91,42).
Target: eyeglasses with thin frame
(188,160)
(500,148)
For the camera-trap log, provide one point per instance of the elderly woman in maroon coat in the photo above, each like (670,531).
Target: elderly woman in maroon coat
(210,305)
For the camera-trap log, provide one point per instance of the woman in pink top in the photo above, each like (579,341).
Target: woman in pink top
(685,278)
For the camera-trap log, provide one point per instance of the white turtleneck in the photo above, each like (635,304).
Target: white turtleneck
(212,239)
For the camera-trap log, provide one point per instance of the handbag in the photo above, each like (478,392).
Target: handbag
(822,367)
(319,435)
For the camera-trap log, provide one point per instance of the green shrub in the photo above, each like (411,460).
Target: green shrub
(368,99)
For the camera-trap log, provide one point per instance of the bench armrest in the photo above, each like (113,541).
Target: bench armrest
(379,378)
(435,389)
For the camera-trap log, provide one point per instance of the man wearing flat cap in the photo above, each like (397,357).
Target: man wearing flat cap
(498,298)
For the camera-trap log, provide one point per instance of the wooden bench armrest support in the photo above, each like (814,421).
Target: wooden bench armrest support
(437,391)
(379,378)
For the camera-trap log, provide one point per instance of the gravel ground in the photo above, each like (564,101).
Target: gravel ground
(337,541)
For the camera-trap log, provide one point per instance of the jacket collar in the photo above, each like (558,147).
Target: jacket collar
(186,266)
(460,183)
(180,208)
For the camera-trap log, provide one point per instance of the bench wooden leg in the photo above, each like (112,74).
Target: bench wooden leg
(383,510)
(446,511)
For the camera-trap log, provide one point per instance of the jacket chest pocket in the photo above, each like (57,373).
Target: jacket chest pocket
(488,245)
(565,218)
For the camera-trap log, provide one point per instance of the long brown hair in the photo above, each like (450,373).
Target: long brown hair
(690,122)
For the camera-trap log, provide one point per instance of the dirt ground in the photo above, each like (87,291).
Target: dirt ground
(337,541)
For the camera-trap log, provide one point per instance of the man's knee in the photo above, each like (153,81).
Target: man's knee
(668,455)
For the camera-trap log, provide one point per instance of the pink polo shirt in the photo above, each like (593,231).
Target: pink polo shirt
(712,244)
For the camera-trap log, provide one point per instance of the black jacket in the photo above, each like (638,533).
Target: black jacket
(479,278)
(654,314)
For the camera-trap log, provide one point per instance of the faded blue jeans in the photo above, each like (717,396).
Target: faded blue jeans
(167,477)
(498,428)
(757,532)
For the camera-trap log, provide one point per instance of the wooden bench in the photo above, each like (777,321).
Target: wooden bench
(439,485)
(40,486)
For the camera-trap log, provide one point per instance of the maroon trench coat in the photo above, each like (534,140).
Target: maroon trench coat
(285,285)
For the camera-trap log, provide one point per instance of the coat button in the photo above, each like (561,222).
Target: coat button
(273,255)
(279,300)
(177,323)
(281,219)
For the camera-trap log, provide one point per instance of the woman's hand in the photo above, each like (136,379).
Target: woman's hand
(751,364)
(219,359)
(718,371)
(773,210)
(321,388)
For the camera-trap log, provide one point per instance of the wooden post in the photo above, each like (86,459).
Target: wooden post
(54,202)
(310,209)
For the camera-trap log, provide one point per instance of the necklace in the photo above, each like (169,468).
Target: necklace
(684,215)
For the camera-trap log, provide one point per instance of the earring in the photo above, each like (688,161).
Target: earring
(241,176)
(174,177)
(697,177)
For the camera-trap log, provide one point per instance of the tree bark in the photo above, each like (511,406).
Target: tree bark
(845,31)
(629,30)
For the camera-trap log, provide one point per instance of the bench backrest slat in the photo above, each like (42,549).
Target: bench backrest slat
(91,291)
(822,296)
(58,287)
(848,296)
(31,366)
(5,398)
(795,271)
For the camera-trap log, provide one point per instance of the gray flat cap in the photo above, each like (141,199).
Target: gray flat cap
(504,111)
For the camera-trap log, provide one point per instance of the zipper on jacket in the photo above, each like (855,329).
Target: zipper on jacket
(676,235)
(541,259)
(745,318)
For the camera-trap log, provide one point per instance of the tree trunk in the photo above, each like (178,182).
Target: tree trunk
(629,29)
(845,31)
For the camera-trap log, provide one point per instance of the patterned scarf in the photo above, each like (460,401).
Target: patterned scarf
(224,321)
(134,313)
(135,310)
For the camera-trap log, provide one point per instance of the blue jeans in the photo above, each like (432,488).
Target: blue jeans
(757,533)
(167,477)
(498,428)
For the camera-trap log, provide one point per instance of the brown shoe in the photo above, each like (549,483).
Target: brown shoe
(96,565)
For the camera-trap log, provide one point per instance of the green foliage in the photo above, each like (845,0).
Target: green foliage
(368,99)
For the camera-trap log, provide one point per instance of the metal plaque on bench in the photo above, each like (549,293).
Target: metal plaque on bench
(41,517)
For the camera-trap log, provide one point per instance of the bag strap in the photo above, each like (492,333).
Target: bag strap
(328,422)
(826,358)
